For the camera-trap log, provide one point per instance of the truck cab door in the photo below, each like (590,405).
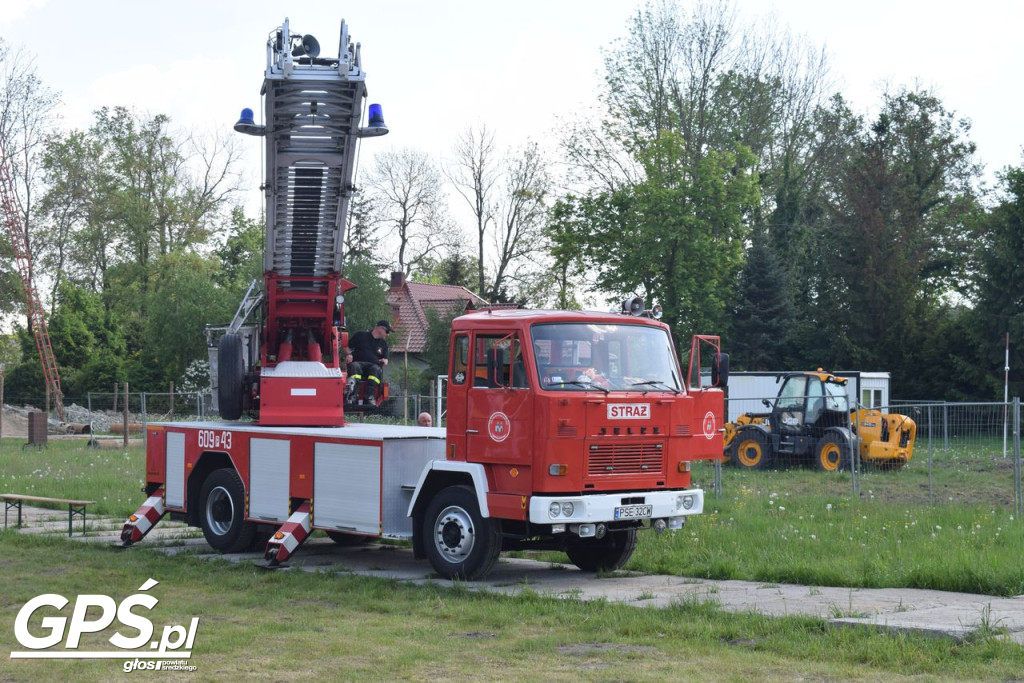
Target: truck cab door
(499,402)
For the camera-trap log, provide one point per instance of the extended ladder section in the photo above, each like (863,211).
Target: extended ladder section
(313,108)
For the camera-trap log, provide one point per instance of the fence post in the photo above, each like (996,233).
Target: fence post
(1016,458)
(114,408)
(945,426)
(145,418)
(125,436)
(172,400)
(931,498)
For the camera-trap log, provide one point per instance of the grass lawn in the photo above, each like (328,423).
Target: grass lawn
(294,625)
(777,526)
(788,526)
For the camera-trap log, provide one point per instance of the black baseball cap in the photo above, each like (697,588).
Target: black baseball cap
(385,325)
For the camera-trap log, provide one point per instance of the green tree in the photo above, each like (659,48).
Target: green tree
(368,303)
(183,300)
(27,115)
(241,256)
(763,315)
(676,238)
(900,245)
(998,292)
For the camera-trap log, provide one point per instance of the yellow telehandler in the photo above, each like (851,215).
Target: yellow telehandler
(811,420)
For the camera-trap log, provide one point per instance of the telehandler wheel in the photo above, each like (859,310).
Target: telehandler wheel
(751,450)
(222,512)
(603,555)
(460,542)
(832,453)
(230,376)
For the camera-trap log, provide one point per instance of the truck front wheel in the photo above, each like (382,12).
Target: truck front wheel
(603,555)
(460,542)
(222,512)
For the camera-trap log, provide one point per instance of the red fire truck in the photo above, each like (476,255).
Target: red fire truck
(565,430)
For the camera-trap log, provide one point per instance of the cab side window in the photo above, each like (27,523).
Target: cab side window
(459,371)
(498,362)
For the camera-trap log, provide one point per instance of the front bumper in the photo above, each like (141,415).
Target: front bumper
(671,506)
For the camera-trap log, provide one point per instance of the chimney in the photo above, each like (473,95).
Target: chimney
(397,279)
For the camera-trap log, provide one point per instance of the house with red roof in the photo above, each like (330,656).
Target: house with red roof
(410,302)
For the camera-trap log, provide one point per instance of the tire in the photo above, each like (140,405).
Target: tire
(751,450)
(603,555)
(222,513)
(346,540)
(832,453)
(230,376)
(460,542)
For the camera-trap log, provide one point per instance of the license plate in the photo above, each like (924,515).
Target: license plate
(633,512)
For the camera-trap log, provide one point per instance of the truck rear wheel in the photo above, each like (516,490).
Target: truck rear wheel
(603,555)
(832,453)
(230,377)
(222,512)
(460,542)
(751,450)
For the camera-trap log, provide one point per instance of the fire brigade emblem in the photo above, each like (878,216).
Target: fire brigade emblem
(709,425)
(498,427)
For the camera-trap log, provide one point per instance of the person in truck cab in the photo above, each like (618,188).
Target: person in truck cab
(367,354)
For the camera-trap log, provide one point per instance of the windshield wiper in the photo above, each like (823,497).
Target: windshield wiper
(652,382)
(576,382)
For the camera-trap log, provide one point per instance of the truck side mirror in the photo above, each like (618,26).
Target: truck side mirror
(720,370)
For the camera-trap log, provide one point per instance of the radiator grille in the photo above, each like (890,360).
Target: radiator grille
(624,458)
(682,430)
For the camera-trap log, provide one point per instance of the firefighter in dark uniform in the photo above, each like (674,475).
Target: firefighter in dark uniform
(367,354)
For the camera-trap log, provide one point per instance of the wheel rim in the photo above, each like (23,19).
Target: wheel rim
(220,511)
(830,456)
(453,534)
(749,453)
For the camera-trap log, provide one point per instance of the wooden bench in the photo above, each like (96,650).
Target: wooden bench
(76,508)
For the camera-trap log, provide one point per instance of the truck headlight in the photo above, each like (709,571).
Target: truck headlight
(685,501)
(554,510)
(567,509)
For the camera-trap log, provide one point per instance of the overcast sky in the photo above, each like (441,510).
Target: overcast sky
(518,66)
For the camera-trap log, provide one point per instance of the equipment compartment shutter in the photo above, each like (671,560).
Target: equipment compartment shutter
(346,487)
(268,479)
(174,487)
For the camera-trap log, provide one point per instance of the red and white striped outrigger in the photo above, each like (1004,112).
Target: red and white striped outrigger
(290,536)
(144,519)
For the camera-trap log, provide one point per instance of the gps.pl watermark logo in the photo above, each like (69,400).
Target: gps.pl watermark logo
(175,641)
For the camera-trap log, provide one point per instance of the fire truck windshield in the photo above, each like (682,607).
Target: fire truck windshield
(607,357)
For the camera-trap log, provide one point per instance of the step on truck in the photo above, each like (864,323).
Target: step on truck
(565,430)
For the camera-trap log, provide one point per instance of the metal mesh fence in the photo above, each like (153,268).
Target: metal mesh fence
(964,454)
